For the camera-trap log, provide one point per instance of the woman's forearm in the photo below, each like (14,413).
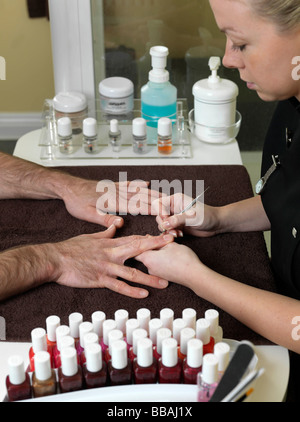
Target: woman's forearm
(244,216)
(267,313)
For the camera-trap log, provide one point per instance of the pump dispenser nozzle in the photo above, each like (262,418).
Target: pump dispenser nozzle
(159,55)
(214,64)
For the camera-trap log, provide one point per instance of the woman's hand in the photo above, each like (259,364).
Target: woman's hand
(201,220)
(97,260)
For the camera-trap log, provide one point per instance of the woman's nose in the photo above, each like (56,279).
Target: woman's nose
(232,59)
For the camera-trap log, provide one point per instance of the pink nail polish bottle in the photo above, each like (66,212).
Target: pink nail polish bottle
(17,381)
(113,335)
(52,323)
(144,365)
(61,331)
(222,352)
(169,365)
(70,373)
(203,333)
(162,334)
(207,381)
(186,334)
(39,344)
(137,334)
(75,319)
(94,370)
(192,364)
(119,367)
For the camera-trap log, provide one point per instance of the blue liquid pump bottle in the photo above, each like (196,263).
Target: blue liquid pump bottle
(158,96)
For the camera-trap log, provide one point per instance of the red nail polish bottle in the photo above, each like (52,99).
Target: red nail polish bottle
(18,381)
(75,319)
(113,335)
(52,323)
(186,334)
(131,325)
(143,316)
(43,378)
(66,341)
(119,367)
(144,365)
(70,373)
(94,370)
(89,338)
(161,335)
(121,317)
(189,316)
(137,334)
(203,333)
(154,325)
(61,331)
(39,344)
(169,365)
(192,364)
(108,325)
(84,328)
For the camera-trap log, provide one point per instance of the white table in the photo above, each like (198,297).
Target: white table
(203,154)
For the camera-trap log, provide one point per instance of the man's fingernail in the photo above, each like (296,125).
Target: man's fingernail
(163,283)
(168,237)
(143,293)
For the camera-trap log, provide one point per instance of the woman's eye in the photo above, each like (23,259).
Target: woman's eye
(238,47)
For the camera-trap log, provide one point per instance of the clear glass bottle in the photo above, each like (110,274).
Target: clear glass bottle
(207,380)
(115,136)
(164,136)
(139,134)
(43,378)
(90,136)
(65,136)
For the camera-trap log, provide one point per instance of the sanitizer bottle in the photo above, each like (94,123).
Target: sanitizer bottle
(158,96)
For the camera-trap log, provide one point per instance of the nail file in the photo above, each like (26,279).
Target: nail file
(234,372)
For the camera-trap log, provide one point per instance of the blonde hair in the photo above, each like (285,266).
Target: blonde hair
(284,13)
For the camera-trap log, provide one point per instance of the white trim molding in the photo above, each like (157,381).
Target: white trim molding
(15,125)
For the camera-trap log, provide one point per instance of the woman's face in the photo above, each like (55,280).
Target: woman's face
(263,55)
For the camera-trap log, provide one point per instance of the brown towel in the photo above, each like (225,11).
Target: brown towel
(242,256)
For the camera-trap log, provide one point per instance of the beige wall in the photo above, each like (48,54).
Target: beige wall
(26,46)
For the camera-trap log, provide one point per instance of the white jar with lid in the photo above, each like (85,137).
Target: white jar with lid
(215,106)
(72,105)
(116,96)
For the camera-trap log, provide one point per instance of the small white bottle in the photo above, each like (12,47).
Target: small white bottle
(139,134)
(212,316)
(207,380)
(65,135)
(222,352)
(90,136)
(164,136)
(115,135)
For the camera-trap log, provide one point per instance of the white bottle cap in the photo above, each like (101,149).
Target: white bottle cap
(210,369)
(169,352)
(143,316)
(93,355)
(189,316)
(39,340)
(119,357)
(67,341)
(114,335)
(159,55)
(131,325)
(116,87)
(90,128)
(52,322)
(69,363)
(162,334)
(64,127)
(212,316)
(139,127)
(154,325)
(61,331)
(178,325)
(167,318)
(16,370)
(121,317)
(145,352)
(70,102)
(164,127)
(84,328)
(98,318)
(75,320)
(203,330)
(42,366)
(90,338)
(108,325)
(194,353)
(222,351)
(186,334)
(138,334)
(114,126)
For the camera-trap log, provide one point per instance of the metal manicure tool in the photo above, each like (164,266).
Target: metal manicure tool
(191,204)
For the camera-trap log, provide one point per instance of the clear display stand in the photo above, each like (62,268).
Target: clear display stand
(49,142)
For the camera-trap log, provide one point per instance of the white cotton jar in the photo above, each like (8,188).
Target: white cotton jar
(117,96)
